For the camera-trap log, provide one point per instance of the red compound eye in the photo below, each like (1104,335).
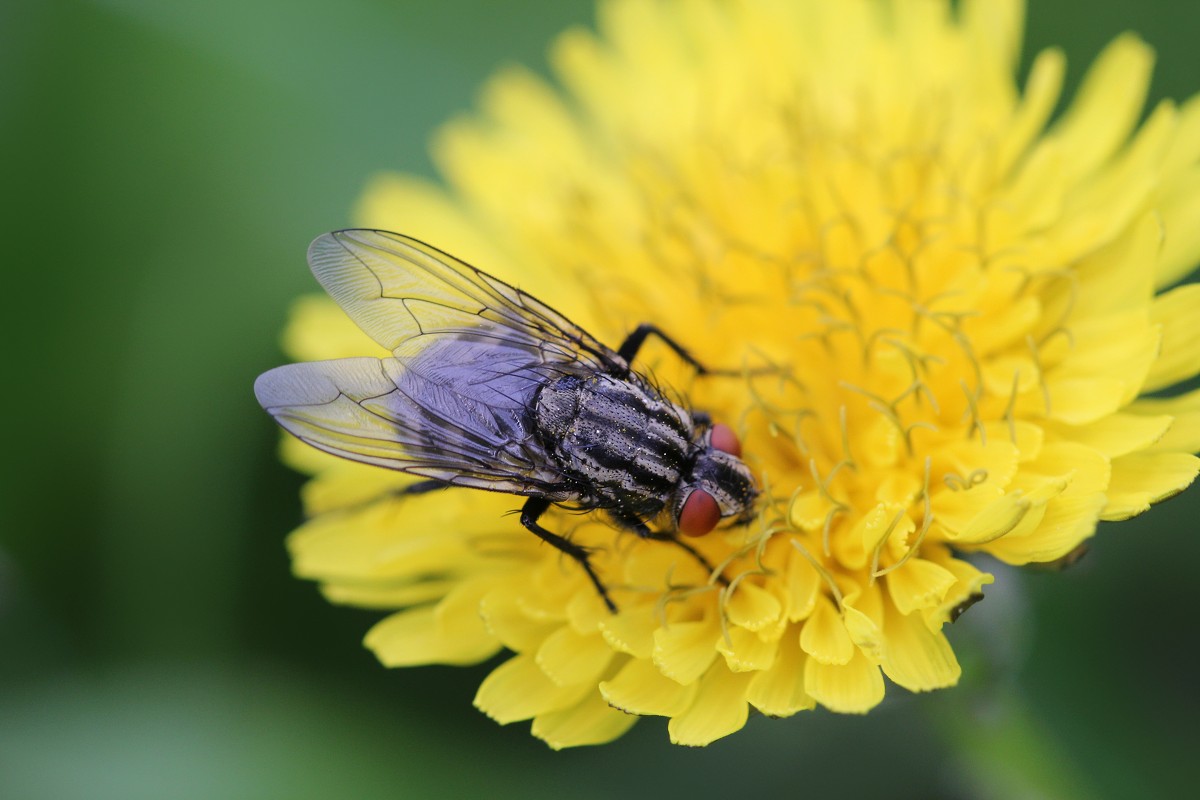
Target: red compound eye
(723,438)
(699,515)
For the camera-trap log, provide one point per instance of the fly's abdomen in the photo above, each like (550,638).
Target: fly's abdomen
(618,438)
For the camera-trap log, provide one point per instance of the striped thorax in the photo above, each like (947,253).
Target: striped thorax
(631,451)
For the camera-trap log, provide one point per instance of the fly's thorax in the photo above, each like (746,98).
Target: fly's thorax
(556,408)
(619,439)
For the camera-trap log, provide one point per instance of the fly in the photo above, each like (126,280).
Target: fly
(490,388)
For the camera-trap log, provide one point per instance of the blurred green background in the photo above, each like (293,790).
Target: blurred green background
(164,167)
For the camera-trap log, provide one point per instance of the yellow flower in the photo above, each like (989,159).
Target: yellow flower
(962,305)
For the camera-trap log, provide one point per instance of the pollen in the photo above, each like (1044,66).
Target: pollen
(937,318)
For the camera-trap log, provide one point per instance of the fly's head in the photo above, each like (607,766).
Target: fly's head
(719,488)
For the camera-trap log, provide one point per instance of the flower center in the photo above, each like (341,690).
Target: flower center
(905,346)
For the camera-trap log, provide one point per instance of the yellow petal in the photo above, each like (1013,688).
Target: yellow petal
(684,650)
(1014,373)
(387,598)
(1117,434)
(1140,479)
(424,210)
(1087,470)
(581,62)
(569,657)
(968,586)
(403,539)
(852,688)
(1107,105)
(586,611)
(898,488)
(996,25)
(779,691)
(311,461)
(865,631)
(745,651)
(1116,350)
(1007,326)
(351,546)
(1101,207)
(916,657)
(1178,311)
(342,485)
(458,613)
(413,637)
(994,520)
(1027,437)
(1114,278)
(632,630)
(718,709)
(1033,196)
(803,586)
(880,523)
(518,689)
(752,607)
(319,330)
(1179,210)
(504,618)
(1078,401)
(1041,93)
(549,587)
(450,632)
(1068,521)
(1184,433)
(994,463)
(809,510)
(919,584)
(592,721)
(648,563)
(1185,151)
(824,635)
(902,528)
(639,688)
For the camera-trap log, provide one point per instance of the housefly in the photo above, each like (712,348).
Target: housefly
(490,388)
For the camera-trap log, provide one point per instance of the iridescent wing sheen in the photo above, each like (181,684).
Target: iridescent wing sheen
(379,412)
(470,352)
(404,294)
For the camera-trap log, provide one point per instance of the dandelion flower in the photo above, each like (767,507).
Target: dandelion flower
(954,319)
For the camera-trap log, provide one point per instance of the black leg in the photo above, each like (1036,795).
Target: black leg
(644,532)
(634,341)
(530,513)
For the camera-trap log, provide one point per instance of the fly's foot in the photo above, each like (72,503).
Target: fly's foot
(533,509)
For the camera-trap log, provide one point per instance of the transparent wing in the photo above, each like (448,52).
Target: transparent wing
(406,294)
(447,419)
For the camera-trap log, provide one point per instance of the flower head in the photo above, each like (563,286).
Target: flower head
(946,311)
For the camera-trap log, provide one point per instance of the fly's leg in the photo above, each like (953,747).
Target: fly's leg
(634,341)
(643,531)
(530,513)
(673,538)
